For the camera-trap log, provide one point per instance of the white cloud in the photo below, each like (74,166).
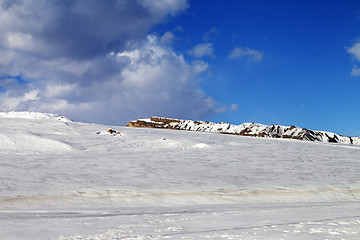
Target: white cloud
(251,54)
(211,34)
(167,38)
(151,80)
(9,102)
(80,29)
(355,71)
(169,6)
(20,41)
(201,50)
(355,50)
(58,91)
(234,107)
(200,66)
(92,61)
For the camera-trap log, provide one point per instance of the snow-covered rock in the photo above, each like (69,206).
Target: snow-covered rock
(245,129)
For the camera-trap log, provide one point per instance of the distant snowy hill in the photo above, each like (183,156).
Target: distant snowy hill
(245,129)
(32,115)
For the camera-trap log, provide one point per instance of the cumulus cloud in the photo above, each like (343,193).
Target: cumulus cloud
(94,61)
(152,80)
(355,52)
(251,54)
(201,50)
(79,29)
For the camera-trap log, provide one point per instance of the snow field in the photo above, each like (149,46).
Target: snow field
(66,180)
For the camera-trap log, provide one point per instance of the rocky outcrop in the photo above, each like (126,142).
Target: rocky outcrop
(245,129)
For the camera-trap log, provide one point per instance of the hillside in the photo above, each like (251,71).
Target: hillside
(66,180)
(245,129)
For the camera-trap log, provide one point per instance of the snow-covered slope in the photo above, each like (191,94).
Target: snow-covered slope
(32,116)
(245,129)
(18,132)
(67,180)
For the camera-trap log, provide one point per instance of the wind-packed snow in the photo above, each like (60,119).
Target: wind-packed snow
(67,180)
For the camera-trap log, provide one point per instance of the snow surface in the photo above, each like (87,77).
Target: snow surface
(67,180)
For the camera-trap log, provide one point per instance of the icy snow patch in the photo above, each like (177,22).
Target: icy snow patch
(201,145)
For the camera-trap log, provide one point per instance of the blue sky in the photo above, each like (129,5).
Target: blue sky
(271,62)
(304,76)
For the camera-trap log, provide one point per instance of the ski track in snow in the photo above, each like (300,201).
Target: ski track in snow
(66,180)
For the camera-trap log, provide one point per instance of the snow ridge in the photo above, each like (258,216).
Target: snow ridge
(245,129)
(32,115)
